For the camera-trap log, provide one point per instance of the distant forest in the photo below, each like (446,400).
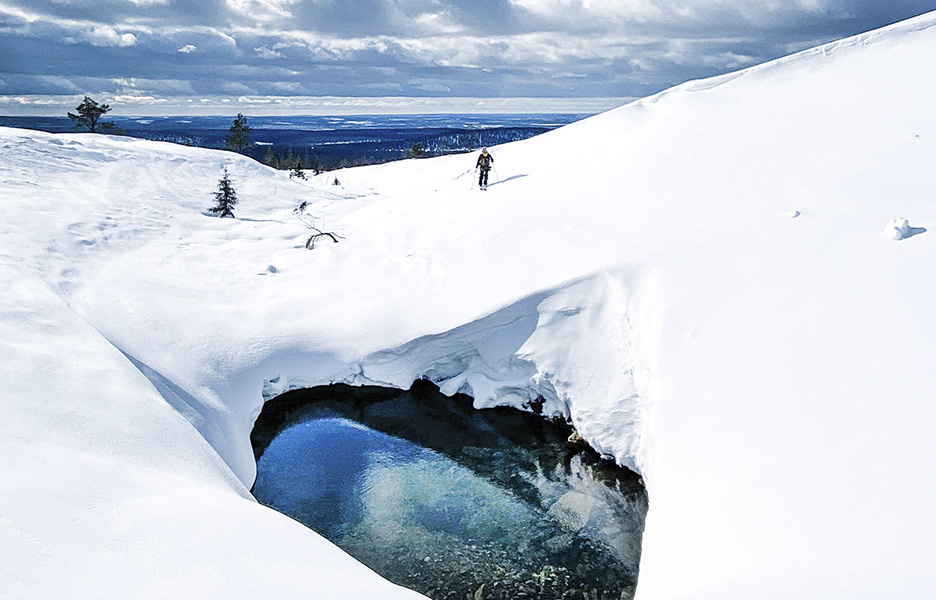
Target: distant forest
(327,143)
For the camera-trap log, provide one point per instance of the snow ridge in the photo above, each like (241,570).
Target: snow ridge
(535,349)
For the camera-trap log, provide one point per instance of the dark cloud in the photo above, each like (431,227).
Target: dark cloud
(343,18)
(491,17)
(487,48)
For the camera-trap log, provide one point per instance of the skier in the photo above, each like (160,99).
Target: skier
(484,163)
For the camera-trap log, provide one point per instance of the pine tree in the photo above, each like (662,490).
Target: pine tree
(225,197)
(88,115)
(271,157)
(239,138)
(315,164)
(297,171)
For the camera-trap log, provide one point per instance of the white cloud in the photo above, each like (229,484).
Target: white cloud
(606,11)
(106,36)
(226,38)
(43,101)
(138,86)
(266,53)
(262,10)
(188,48)
(138,99)
(101,36)
(438,23)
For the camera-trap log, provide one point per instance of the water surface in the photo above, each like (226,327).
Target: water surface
(447,499)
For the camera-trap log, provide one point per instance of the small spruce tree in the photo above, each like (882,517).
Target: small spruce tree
(238,139)
(271,157)
(290,160)
(315,164)
(225,197)
(88,114)
(297,171)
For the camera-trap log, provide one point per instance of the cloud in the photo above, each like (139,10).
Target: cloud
(106,36)
(262,10)
(433,87)
(138,99)
(25,85)
(237,89)
(456,48)
(160,87)
(267,54)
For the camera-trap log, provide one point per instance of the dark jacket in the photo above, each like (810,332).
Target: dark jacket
(484,161)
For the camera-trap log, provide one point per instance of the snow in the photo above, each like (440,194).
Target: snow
(899,229)
(769,373)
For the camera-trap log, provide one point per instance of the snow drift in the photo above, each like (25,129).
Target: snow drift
(770,376)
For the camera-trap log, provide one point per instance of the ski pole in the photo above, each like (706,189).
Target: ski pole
(493,154)
(473,178)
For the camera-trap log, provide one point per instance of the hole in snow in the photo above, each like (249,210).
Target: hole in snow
(444,499)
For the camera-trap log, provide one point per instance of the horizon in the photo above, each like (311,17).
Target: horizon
(323,106)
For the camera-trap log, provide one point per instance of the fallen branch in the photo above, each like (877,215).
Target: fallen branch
(309,221)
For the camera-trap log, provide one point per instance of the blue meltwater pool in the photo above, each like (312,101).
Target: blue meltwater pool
(476,515)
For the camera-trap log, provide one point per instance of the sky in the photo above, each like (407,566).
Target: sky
(174,57)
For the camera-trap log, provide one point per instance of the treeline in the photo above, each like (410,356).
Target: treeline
(239,139)
(290,160)
(312,150)
(356,153)
(291,157)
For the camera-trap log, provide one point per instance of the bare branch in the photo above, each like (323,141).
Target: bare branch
(309,221)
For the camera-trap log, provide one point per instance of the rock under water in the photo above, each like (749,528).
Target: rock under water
(451,501)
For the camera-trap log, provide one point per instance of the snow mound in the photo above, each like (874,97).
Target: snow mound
(897,229)
(536,349)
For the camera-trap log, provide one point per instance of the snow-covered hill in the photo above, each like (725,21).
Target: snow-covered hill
(701,280)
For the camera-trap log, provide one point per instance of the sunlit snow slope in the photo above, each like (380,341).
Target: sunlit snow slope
(705,281)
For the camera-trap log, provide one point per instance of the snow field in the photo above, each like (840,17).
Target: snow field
(771,377)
